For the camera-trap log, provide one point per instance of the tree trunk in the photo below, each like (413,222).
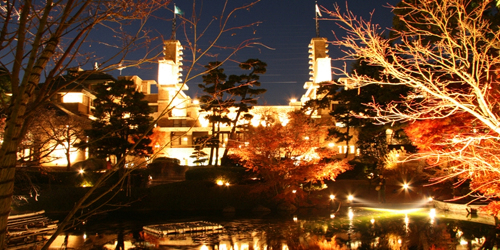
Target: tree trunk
(233,131)
(13,135)
(217,144)
(212,145)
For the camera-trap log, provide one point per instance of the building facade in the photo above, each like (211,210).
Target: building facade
(179,117)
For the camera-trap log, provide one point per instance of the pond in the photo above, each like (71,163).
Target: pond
(349,228)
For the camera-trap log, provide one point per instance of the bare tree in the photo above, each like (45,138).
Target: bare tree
(40,40)
(448,54)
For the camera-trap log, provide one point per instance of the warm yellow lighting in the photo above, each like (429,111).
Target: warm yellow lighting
(227,184)
(73,98)
(406,185)
(372,221)
(179,109)
(306,138)
(332,216)
(81,171)
(430,199)
(185,139)
(332,197)
(351,214)
(204,122)
(323,70)
(331,144)
(295,218)
(204,247)
(293,100)
(294,191)
(350,197)
(196,102)
(220,182)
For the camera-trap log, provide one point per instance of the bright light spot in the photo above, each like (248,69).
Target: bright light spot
(227,184)
(351,214)
(406,185)
(294,191)
(220,182)
(432,213)
(331,144)
(350,197)
(407,220)
(150,178)
(430,199)
(399,241)
(306,138)
(204,247)
(196,102)
(372,221)
(84,237)
(332,216)
(295,218)
(463,242)
(293,100)
(81,171)
(185,139)
(332,197)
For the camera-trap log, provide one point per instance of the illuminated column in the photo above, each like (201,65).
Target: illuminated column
(320,67)
(169,74)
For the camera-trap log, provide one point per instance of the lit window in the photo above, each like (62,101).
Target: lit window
(352,149)
(73,98)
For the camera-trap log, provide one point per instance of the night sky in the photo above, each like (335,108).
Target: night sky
(286,29)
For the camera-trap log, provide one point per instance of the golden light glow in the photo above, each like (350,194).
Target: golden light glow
(323,70)
(350,197)
(332,197)
(167,73)
(196,102)
(220,182)
(73,98)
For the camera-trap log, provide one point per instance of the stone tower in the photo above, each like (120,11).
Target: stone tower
(320,67)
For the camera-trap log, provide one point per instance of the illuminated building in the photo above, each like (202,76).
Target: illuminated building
(181,120)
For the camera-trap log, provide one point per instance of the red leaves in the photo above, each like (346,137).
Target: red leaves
(287,156)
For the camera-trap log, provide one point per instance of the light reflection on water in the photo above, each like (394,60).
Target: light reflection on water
(351,228)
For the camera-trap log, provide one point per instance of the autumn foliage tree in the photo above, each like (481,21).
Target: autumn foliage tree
(447,53)
(286,154)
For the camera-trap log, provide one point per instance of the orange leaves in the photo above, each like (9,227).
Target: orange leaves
(287,156)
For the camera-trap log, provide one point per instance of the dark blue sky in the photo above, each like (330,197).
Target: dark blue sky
(286,27)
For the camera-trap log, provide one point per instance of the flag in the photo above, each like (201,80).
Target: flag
(317,11)
(178,10)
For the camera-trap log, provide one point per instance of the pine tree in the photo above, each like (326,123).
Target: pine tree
(122,119)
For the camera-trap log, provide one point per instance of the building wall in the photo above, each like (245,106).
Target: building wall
(182,120)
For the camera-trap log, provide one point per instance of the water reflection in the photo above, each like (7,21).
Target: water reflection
(351,228)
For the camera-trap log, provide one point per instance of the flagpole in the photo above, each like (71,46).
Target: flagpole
(316,18)
(174,24)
